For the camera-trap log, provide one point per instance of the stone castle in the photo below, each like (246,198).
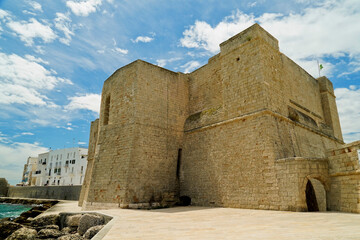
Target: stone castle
(250,129)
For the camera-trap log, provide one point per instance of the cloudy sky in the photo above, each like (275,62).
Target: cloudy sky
(55,56)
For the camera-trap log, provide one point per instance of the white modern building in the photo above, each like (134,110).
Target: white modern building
(61,167)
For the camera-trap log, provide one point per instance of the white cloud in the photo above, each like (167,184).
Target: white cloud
(4,138)
(36,6)
(348,103)
(63,23)
(120,50)
(4,14)
(83,8)
(27,134)
(27,31)
(253,4)
(28,12)
(35,59)
(329,29)
(22,80)
(163,62)
(144,39)
(190,66)
(13,157)
(202,35)
(89,102)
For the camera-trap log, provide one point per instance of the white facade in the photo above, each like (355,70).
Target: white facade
(29,169)
(62,167)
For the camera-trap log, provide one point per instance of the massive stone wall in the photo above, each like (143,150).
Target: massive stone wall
(137,147)
(344,194)
(250,129)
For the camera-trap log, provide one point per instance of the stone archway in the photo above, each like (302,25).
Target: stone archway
(315,195)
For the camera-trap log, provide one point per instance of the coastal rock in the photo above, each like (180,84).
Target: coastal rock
(23,234)
(87,221)
(92,231)
(31,213)
(21,220)
(52,227)
(73,220)
(7,228)
(71,237)
(49,233)
(68,230)
(52,219)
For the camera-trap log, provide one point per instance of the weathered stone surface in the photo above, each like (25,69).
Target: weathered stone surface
(91,232)
(32,213)
(52,219)
(56,227)
(71,237)
(87,221)
(23,234)
(4,187)
(248,130)
(49,233)
(73,220)
(69,230)
(7,228)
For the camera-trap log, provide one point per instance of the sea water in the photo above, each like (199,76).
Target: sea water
(12,210)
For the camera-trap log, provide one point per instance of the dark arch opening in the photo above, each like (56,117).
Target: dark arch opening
(184,201)
(311,201)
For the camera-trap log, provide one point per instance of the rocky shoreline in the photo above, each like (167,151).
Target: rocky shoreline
(61,226)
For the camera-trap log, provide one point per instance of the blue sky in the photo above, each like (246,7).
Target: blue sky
(55,56)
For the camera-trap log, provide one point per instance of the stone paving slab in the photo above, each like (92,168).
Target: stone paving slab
(227,223)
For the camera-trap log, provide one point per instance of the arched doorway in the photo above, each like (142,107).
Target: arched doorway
(315,196)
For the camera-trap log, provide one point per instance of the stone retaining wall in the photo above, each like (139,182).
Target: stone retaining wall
(4,186)
(46,192)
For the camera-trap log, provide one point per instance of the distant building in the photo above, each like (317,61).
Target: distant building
(61,167)
(29,169)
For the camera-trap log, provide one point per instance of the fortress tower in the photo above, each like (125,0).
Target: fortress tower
(250,129)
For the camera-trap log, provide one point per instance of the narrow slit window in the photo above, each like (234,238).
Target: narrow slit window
(178,163)
(107,110)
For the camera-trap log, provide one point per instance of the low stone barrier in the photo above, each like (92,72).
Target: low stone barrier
(4,187)
(46,192)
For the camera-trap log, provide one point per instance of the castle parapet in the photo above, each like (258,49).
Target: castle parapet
(255,31)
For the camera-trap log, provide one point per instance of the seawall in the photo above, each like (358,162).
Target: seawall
(46,192)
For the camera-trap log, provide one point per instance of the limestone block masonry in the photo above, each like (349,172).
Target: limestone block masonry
(250,129)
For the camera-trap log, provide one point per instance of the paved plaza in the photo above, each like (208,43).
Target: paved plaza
(224,223)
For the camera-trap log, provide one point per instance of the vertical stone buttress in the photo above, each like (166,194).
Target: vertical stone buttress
(90,164)
(329,106)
